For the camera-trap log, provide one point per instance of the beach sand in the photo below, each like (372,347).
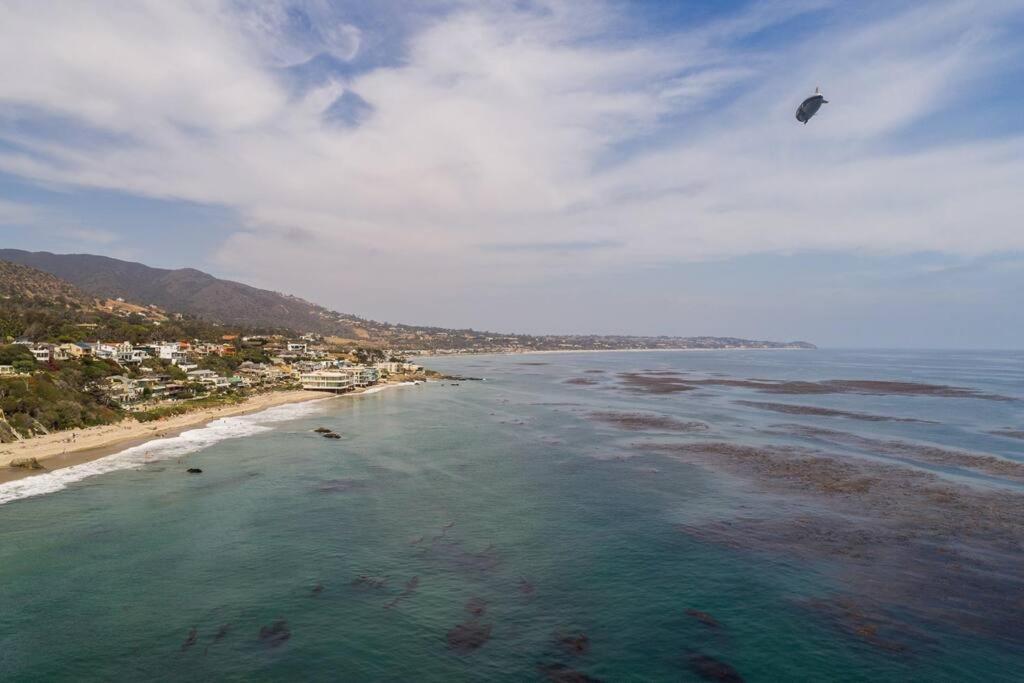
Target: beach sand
(60,449)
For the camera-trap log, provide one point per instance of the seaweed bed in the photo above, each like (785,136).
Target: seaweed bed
(909,547)
(652,383)
(910,452)
(646,421)
(658,382)
(1012,433)
(791,409)
(582,381)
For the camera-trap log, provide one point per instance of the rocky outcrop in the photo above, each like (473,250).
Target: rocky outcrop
(26,464)
(8,434)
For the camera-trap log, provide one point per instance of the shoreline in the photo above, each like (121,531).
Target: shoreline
(57,451)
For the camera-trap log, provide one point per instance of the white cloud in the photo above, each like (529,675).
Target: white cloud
(501,126)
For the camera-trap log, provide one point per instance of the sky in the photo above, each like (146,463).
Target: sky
(541,166)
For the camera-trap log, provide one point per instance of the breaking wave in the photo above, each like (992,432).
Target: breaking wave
(156,450)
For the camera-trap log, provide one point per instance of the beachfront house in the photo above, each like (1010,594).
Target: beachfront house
(7,370)
(337,381)
(209,378)
(365,376)
(41,353)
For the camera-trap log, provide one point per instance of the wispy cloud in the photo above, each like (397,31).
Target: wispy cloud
(502,133)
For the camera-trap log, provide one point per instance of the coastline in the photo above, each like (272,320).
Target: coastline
(57,451)
(554,351)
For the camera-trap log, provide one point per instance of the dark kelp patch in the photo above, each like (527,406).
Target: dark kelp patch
(276,634)
(573,643)
(711,669)
(648,422)
(703,617)
(454,554)
(901,539)
(1011,433)
(791,409)
(915,453)
(477,607)
(343,485)
(410,588)
(367,581)
(651,383)
(851,386)
(469,636)
(190,638)
(581,381)
(221,634)
(560,673)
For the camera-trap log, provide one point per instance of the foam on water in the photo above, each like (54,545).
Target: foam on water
(158,449)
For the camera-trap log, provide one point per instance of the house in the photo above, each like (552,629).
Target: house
(337,381)
(172,352)
(297,347)
(365,376)
(209,378)
(41,353)
(123,389)
(105,351)
(394,367)
(69,351)
(126,354)
(7,370)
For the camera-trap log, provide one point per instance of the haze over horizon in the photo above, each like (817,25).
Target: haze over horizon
(541,166)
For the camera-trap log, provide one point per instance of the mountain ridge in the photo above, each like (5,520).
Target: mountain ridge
(190,291)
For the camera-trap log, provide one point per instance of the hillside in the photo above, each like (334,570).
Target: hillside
(39,306)
(224,302)
(186,290)
(21,283)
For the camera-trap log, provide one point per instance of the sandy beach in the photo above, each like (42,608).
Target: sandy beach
(72,447)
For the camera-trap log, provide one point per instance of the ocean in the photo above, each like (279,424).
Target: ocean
(652,516)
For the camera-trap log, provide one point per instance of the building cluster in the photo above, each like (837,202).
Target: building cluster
(288,362)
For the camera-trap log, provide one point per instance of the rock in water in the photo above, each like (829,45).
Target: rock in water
(194,470)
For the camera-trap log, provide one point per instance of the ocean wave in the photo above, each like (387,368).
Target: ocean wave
(156,450)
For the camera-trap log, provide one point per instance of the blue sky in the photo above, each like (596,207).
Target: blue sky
(541,166)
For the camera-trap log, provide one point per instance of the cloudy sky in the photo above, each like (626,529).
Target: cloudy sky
(540,165)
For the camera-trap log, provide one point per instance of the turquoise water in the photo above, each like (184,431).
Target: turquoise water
(504,496)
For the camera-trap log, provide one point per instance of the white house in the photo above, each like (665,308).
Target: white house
(172,352)
(338,381)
